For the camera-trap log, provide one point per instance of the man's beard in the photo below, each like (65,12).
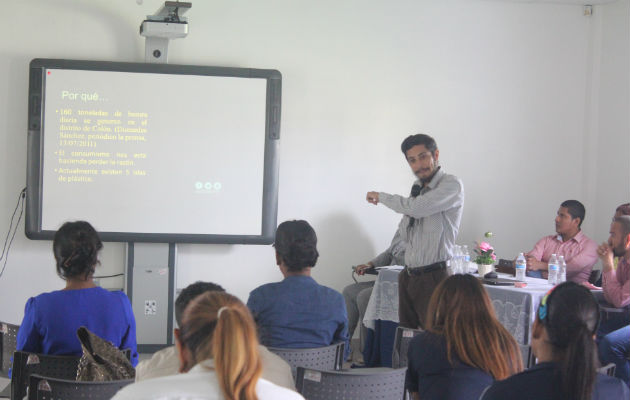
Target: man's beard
(619,251)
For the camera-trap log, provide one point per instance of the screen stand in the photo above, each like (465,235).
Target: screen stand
(150,267)
(150,272)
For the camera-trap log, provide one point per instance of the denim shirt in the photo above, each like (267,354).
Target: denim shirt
(299,313)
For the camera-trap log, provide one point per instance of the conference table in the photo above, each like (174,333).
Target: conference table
(515,308)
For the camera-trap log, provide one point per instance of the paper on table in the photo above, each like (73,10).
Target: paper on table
(392,267)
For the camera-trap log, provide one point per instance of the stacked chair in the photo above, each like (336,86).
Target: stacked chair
(340,385)
(329,358)
(318,376)
(26,364)
(45,388)
(8,343)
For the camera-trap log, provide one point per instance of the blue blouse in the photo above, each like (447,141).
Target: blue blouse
(299,313)
(51,321)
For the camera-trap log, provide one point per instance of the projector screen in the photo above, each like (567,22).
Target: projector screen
(153,152)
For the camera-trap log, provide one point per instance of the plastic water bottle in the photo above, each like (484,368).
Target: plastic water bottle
(456,261)
(552,279)
(465,260)
(562,269)
(520,267)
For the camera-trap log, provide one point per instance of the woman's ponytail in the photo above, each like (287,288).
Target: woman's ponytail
(218,326)
(570,314)
(579,364)
(235,348)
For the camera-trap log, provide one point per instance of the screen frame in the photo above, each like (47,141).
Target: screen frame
(35,150)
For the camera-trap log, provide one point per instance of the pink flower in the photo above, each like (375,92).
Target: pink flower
(484,246)
(494,258)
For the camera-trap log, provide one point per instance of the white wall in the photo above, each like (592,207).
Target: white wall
(610,156)
(526,101)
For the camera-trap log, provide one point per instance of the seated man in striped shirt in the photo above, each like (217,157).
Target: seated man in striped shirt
(580,252)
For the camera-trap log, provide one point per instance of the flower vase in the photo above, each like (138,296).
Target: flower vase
(484,269)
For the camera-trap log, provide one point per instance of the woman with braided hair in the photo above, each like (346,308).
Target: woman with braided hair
(51,319)
(564,345)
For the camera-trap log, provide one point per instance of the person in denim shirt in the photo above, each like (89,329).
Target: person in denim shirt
(297,312)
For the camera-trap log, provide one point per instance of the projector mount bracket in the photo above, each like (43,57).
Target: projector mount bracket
(167,23)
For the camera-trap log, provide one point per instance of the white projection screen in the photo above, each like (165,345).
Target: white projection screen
(153,152)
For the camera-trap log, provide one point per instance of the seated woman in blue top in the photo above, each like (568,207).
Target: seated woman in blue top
(563,342)
(298,312)
(464,347)
(51,319)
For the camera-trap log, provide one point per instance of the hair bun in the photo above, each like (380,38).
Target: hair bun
(76,246)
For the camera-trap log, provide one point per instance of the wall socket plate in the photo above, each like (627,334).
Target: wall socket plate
(150,307)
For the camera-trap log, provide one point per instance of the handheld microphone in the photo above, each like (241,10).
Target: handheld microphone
(415,190)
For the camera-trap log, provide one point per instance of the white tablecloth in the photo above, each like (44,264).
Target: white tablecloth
(383,303)
(515,307)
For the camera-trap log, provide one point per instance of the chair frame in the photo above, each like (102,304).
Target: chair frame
(8,344)
(350,384)
(529,359)
(43,388)
(608,369)
(26,364)
(401,345)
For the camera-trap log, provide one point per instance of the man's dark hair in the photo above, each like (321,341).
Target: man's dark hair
(296,244)
(189,293)
(419,139)
(576,209)
(624,209)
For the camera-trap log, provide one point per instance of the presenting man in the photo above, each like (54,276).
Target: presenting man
(580,252)
(427,231)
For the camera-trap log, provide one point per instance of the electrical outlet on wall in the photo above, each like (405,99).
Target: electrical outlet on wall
(150,307)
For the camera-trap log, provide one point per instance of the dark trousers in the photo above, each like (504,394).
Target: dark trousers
(414,293)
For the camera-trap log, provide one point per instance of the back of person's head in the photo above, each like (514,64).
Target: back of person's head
(416,140)
(218,325)
(189,293)
(570,315)
(575,209)
(623,209)
(461,311)
(296,245)
(76,246)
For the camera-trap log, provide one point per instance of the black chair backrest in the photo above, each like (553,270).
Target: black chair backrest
(8,343)
(327,358)
(505,266)
(45,388)
(401,346)
(341,385)
(26,364)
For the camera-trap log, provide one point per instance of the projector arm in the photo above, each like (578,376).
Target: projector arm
(164,25)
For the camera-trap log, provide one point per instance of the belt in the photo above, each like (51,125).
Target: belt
(427,268)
